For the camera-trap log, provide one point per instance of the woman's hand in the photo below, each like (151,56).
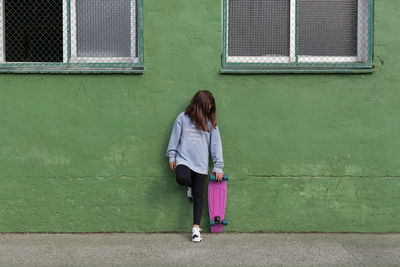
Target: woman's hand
(219,176)
(172,166)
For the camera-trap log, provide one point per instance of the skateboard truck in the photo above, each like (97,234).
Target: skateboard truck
(217,220)
(213,179)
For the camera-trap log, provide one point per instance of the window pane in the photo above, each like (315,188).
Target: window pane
(258,27)
(33,31)
(328,27)
(103,28)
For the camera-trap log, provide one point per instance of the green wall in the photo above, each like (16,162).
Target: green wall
(86,153)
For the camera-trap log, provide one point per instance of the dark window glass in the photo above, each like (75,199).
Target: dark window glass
(33,31)
(328,27)
(258,27)
(103,28)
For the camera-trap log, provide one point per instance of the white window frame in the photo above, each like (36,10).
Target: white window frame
(362,54)
(2,41)
(362,49)
(65,31)
(267,58)
(75,59)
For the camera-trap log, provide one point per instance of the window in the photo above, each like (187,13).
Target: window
(71,36)
(297,35)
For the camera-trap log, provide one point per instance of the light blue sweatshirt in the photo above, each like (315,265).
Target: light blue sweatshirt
(191,146)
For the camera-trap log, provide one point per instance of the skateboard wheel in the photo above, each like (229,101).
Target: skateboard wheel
(225,222)
(212,222)
(212,177)
(226,178)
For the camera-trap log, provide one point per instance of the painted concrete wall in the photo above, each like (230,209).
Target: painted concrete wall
(305,152)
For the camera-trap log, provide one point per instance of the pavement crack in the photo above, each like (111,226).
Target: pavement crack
(347,250)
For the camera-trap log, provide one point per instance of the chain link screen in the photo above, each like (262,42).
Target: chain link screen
(33,31)
(297,33)
(103,28)
(70,34)
(259,28)
(328,28)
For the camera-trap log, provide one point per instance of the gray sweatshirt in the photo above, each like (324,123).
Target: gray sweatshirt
(191,146)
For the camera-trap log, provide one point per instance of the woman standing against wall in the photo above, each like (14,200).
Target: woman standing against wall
(194,136)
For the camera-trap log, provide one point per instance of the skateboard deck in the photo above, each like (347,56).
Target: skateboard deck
(217,203)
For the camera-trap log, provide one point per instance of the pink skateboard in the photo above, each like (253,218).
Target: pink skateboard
(217,203)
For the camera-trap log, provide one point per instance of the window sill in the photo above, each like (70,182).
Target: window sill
(72,70)
(230,70)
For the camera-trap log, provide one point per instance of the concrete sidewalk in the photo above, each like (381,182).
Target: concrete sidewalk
(176,249)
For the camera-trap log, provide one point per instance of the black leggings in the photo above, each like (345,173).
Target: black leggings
(186,177)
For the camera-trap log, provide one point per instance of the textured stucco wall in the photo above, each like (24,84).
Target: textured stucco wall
(304,152)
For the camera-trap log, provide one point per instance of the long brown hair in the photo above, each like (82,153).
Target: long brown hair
(201,109)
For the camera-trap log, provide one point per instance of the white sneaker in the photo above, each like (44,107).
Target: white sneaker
(189,193)
(196,236)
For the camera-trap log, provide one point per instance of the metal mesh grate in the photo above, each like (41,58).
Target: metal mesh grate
(103,28)
(70,34)
(297,33)
(258,27)
(328,27)
(33,31)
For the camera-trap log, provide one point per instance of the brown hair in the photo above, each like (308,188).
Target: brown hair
(201,109)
